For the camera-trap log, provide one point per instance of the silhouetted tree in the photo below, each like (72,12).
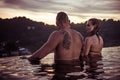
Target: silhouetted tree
(32,34)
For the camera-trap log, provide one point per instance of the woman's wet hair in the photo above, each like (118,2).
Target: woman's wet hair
(95,22)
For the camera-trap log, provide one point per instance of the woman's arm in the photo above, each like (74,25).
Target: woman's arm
(87,46)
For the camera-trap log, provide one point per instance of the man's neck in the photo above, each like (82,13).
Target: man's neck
(65,27)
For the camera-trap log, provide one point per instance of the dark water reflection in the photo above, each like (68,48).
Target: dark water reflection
(95,68)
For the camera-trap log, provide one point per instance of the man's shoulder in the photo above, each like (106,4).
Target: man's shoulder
(61,32)
(78,33)
(56,33)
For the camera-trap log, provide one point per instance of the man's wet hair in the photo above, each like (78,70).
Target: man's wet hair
(61,17)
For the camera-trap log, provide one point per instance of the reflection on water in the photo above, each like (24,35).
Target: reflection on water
(95,68)
(65,70)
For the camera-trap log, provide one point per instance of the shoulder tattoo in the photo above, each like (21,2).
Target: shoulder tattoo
(67,41)
(94,41)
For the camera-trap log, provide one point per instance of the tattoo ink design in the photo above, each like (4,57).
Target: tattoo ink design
(94,41)
(66,41)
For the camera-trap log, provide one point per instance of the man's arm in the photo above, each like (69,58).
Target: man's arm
(50,45)
(81,37)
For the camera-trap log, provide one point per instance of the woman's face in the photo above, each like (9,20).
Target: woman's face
(89,27)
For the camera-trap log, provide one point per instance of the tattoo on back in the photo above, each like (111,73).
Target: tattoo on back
(66,41)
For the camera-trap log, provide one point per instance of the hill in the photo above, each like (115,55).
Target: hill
(32,35)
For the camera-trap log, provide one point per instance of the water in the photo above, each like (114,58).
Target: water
(105,68)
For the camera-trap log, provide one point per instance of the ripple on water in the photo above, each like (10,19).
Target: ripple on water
(20,69)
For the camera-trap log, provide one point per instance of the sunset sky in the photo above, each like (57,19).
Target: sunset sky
(46,10)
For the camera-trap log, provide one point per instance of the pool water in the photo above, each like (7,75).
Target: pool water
(106,67)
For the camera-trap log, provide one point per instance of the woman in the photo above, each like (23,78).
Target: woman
(94,42)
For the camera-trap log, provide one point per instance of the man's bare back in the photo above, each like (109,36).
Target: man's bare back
(69,47)
(65,42)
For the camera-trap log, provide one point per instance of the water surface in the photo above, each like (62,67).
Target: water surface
(105,68)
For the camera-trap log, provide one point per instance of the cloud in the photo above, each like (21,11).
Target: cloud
(30,5)
(72,7)
(101,6)
(78,5)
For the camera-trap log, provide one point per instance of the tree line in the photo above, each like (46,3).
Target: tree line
(32,34)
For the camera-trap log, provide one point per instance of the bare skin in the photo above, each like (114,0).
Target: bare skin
(69,47)
(93,44)
(65,42)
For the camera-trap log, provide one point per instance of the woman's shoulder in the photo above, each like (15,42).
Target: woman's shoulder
(88,38)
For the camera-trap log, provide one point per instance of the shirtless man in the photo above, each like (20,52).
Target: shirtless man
(65,42)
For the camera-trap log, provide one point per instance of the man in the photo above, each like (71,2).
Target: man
(65,42)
